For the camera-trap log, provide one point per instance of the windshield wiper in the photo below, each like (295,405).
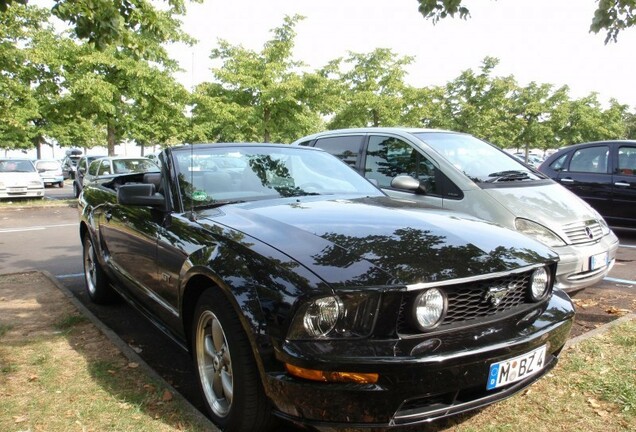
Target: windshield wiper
(510,175)
(216,204)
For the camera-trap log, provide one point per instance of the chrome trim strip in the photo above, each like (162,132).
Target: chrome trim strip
(424,285)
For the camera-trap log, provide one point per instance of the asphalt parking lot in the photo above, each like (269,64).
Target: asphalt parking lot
(46,238)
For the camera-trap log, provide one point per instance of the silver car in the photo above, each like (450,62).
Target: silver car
(460,172)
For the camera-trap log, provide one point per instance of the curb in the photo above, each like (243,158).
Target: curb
(600,330)
(129,353)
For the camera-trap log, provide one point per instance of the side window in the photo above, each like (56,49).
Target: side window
(345,148)
(558,165)
(389,157)
(104,168)
(92,168)
(590,160)
(627,161)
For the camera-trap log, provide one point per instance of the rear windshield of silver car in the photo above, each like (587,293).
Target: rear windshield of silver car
(480,161)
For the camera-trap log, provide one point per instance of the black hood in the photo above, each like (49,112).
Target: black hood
(381,241)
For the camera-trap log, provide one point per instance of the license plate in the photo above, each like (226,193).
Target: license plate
(598,261)
(16,189)
(516,369)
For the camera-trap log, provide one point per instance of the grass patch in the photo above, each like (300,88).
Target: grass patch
(4,328)
(44,202)
(593,389)
(70,321)
(59,373)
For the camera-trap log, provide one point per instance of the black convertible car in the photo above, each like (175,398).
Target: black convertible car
(304,293)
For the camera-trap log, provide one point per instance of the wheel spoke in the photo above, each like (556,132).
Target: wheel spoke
(217,335)
(217,385)
(226,381)
(209,346)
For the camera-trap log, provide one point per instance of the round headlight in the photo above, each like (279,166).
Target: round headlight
(321,316)
(429,308)
(539,284)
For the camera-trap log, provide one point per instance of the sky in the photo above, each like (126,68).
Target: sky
(546,41)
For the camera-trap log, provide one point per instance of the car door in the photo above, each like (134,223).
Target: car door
(587,174)
(622,211)
(386,157)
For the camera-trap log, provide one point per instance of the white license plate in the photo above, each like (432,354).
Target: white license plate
(598,261)
(516,369)
(16,189)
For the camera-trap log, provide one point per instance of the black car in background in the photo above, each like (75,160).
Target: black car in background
(603,173)
(304,293)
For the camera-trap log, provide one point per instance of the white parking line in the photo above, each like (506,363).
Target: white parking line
(69,276)
(34,228)
(627,246)
(621,281)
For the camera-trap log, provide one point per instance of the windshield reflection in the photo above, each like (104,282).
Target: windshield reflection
(213,176)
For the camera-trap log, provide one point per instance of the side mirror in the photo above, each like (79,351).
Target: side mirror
(41,170)
(139,195)
(408,183)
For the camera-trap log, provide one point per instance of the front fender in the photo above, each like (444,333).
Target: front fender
(262,284)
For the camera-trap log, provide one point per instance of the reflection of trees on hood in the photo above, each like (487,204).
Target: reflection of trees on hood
(414,255)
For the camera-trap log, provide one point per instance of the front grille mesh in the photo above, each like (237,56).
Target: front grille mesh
(474,300)
(583,232)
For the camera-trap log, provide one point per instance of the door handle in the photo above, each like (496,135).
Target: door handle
(567,180)
(623,184)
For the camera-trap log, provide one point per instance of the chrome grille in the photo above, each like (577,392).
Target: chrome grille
(583,232)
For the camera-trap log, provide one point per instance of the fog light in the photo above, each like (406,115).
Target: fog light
(429,308)
(539,284)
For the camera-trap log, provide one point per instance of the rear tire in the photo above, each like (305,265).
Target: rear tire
(226,370)
(97,283)
(61,184)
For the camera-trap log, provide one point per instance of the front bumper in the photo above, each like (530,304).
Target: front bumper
(573,270)
(52,179)
(424,379)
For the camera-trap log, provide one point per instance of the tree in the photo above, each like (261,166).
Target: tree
(372,89)
(612,16)
(108,22)
(257,96)
(480,104)
(536,110)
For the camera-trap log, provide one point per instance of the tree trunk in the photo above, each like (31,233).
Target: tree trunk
(111,138)
(267,117)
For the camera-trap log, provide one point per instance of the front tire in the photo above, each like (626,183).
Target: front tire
(227,374)
(97,283)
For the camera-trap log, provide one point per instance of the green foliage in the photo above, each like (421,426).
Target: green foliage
(257,96)
(372,89)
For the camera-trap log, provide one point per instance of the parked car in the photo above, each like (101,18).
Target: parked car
(20,179)
(81,170)
(460,172)
(602,173)
(50,171)
(69,163)
(107,167)
(305,293)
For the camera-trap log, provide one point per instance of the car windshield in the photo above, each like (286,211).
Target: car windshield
(126,166)
(215,176)
(48,165)
(480,161)
(9,166)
